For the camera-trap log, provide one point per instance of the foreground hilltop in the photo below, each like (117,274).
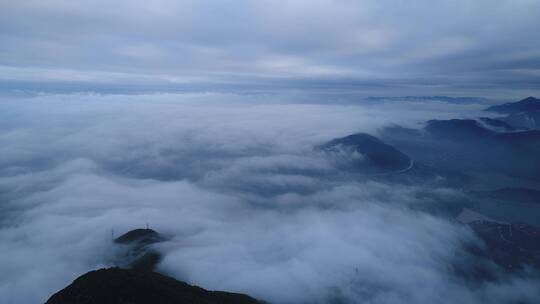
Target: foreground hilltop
(134,281)
(116,285)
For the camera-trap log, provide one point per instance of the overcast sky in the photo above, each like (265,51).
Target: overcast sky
(382,47)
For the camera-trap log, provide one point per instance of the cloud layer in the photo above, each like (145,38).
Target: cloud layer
(452,47)
(250,206)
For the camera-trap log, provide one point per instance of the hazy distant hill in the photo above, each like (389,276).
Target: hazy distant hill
(470,146)
(524,120)
(497,124)
(367,154)
(524,114)
(461,129)
(525,105)
(447,99)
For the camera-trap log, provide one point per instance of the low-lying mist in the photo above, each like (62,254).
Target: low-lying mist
(235,182)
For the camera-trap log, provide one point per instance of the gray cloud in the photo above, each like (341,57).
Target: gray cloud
(455,47)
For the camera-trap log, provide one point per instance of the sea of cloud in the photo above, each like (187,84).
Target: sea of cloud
(233,180)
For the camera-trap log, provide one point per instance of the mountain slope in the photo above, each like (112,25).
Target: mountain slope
(462,129)
(525,105)
(512,195)
(136,249)
(368,154)
(123,286)
(524,120)
(497,124)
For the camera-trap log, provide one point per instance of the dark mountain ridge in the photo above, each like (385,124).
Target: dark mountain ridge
(524,114)
(135,281)
(128,286)
(470,146)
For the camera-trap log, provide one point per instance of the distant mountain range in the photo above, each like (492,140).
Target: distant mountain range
(524,114)
(447,99)
(463,145)
(445,148)
(525,105)
(456,152)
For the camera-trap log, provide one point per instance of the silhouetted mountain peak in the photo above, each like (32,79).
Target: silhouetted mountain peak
(116,285)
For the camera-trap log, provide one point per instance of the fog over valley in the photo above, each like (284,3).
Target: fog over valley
(247,198)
